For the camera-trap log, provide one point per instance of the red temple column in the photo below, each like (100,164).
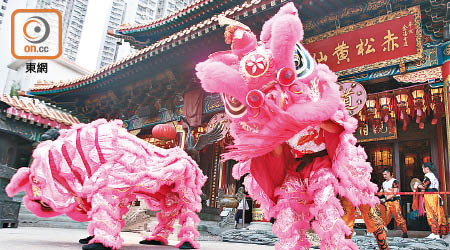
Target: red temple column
(446,78)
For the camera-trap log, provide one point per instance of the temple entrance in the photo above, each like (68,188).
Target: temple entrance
(379,156)
(412,155)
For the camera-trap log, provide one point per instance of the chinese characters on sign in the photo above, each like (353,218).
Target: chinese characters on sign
(354,96)
(372,44)
(387,132)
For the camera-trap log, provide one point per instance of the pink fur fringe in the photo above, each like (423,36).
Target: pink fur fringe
(122,167)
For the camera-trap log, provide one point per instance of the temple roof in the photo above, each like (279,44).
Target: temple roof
(140,35)
(344,11)
(37,112)
(317,17)
(168,43)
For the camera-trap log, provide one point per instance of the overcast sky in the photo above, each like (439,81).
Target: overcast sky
(94,30)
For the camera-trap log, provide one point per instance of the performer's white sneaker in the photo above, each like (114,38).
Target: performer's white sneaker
(433,236)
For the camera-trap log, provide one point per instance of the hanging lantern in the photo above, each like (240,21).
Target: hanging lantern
(419,105)
(402,107)
(373,117)
(437,104)
(164,132)
(386,110)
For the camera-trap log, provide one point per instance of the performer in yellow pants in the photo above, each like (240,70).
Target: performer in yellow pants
(393,208)
(393,201)
(373,218)
(433,206)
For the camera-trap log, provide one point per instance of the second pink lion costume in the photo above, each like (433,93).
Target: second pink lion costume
(93,171)
(292,132)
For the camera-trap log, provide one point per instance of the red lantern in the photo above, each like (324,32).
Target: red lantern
(164,132)
(386,107)
(437,104)
(403,104)
(420,105)
(373,115)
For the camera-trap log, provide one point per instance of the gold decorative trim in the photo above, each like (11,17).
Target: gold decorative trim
(446,109)
(447,50)
(420,76)
(391,16)
(393,137)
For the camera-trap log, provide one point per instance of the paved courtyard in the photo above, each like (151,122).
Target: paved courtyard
(38,238)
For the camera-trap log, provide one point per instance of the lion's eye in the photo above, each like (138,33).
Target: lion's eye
(45,205)
(304,63)
(298,61)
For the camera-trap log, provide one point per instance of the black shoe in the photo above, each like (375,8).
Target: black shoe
(186,245)
(405,235)
(86,240)
(151,242)
(95,246)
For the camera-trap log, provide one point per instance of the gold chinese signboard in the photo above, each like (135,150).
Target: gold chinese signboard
(387,131)
(376,43)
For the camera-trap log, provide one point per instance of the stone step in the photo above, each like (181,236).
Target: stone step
(28,219)
(53,224)
(32,217)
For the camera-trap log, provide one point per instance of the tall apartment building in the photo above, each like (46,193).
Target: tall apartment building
(3,5)
(97,48)
(6,9)
(167,7)
(109,48)
(109,15)
(73,14)
(144,11)
(140,11)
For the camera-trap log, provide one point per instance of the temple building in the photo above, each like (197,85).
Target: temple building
(392,59)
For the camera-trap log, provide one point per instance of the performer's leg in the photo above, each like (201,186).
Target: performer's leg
(374,223)
(292,215)
(430,202)
(389,211)
(106,222)
(401,222)
(166,218)
(237,216)
(327,210)
(188,234)
(349,215)
(381,237)
(443,224)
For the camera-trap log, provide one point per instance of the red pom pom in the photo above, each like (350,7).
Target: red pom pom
(255,98)
(286,76)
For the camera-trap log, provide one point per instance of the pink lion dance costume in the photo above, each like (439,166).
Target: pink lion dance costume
(93,171)
(292,132)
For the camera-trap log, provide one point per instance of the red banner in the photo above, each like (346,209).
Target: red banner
(375,43)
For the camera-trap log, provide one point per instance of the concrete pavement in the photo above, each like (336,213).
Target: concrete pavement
(39,238)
